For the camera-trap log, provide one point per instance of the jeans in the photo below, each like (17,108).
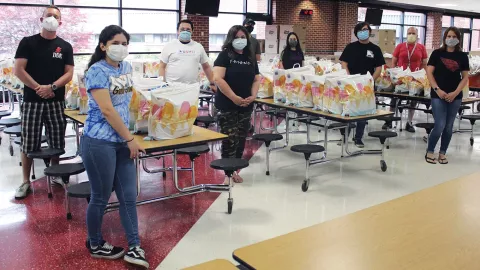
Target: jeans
(109,167)
(359,131)
(444,115)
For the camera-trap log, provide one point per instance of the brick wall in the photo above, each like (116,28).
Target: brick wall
(347,18)
(201,24)
(434,30)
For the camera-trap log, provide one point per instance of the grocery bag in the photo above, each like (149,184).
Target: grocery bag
(384,81)
(71,96)
(323,67)
(293,83)
(318,86)
(140,104)
(418,83)
(151,69)
(401,80)
(279,79)
(266,84)
(351,95)
(305,98)
(173,112)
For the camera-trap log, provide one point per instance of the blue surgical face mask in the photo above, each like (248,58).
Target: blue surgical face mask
(239,43)
(363,35)
(185,36)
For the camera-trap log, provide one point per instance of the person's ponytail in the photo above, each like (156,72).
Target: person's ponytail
(96,56)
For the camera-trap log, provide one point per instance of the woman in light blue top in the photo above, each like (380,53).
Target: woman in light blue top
(108,148)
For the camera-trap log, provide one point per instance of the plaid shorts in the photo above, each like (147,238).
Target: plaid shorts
(37,114)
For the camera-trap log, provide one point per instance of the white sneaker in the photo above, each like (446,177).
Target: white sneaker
(22,191)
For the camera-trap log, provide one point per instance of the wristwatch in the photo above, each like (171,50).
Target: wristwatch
(435,89)
(54,87)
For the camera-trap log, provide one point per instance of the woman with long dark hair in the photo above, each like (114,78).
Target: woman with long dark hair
(236,75)
(292,55)
(447,71)
(108,148)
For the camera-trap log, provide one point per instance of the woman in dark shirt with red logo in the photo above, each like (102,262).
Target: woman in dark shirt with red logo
(292,55)
(447,71)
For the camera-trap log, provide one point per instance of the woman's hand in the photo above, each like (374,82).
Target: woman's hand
(135,149)
(248,101)
(450,97)
(441,94)
(238,101)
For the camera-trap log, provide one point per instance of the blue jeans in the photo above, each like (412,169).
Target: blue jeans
(444,115)
(109,167)
(359,131)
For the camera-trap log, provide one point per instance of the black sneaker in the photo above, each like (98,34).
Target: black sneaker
(359,143)
(136,255)
(387,126)
(410,128)
(105,251)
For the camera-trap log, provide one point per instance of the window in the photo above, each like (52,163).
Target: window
(150,30)
(45,2)
(392,16)
(476,40)
(219,28)
(446,21)
(257,6)
(235,6)
(476,24)
(362,12)
(461,22)
(80,25)
(153,4)
(411,18)
(91,3)
(466,42)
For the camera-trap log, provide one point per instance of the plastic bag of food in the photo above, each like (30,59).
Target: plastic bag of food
(83,97)
(401,80)
(279,79)
(318,86)
(151,69)
(384,81)
(418,83)
(293,83)
(173,112)
(323,67)
(266,84)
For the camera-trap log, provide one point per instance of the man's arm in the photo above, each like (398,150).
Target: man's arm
(22,75)
(207,69)
(163,67)
(394,62)
(345,66)
(66,78)
(376,74)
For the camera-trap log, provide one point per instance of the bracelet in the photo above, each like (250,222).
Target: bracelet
(212,84)
(131,140)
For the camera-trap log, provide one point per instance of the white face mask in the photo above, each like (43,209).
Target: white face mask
(117,52)
(50,24)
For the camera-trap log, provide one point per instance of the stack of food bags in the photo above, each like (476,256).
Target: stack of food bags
(83,98)
(419,83)
(71,95)
(140,104)
(151,69)
(318,85)
(7,71)
(474,65)
(279,79)
(266,82)
(351,95)
(293,83)
(384,81)
(401,79)
(173,111)
(323,67)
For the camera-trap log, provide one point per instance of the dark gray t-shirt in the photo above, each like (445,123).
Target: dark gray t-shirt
(255,45)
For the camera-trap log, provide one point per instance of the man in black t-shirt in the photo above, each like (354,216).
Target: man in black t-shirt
(250,25)
(44,63)
(361,57)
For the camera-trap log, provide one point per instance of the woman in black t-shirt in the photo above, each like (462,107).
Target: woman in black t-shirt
(236,75)
(292,55)
(447,71)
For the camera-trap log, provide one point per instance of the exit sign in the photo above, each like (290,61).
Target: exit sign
(307,12)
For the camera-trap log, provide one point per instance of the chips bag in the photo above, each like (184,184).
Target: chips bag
(279,79)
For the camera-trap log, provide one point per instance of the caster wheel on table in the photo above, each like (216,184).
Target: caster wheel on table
(267,173)
(10,149)
(69,216)
(388,146)
(304,186)
(50,196)
(230,205)
(20,164)
(471,141)
(383,165)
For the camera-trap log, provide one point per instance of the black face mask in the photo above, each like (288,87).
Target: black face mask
(249,28)
(292,43)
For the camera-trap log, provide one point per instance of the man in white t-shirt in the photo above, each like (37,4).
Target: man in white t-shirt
(181,57)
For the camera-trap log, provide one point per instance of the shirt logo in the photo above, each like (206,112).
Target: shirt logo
(240,62)
(370,54)
(58,53)
(121,85)
(450,64)
(186,52)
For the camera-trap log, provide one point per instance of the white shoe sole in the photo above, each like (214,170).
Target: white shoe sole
(136,262)
(116,257)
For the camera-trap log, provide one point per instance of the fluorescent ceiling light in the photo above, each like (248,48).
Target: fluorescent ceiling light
(447,5)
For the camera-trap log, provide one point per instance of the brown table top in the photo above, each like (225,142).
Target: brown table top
(434,229)
(214,265)
(200,136)
(329,116)
(468,100)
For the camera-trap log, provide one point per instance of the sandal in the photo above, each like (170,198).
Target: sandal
(443,160)
(430,160)
(237,178)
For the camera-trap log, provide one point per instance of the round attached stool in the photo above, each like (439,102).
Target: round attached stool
(383,136)
(229,166)
(64,171)
(5,113)
(428,128)
(46,154)
(81,190)
(267,139)
(12,131)
(390,119)
(10,122)
(18,141)
(193,152)
(205,120)
(307,150)
(472,118)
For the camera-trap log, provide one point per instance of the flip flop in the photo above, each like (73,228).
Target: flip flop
(442,161)
(430,160)
(237,178)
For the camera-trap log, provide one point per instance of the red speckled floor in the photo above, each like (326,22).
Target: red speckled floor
(36,234)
